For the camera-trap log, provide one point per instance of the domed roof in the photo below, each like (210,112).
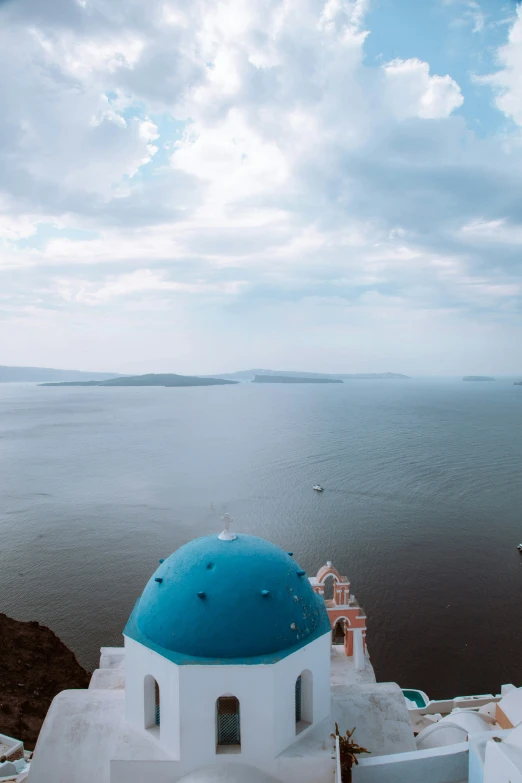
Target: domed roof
(228,599)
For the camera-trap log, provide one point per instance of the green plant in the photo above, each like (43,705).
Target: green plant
(348,751)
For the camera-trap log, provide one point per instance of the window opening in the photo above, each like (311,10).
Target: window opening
(228,727)
(298,692)
(304,701)
(156,704)
(151,703)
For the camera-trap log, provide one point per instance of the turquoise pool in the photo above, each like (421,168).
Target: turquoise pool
(418,697)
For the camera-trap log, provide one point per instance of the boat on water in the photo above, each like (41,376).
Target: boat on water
(318,488)
(519,547)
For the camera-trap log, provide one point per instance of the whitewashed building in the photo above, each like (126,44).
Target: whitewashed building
(229,673)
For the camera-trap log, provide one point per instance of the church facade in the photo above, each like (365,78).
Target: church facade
(226,670)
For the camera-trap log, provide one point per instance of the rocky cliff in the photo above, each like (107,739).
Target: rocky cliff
(34,666)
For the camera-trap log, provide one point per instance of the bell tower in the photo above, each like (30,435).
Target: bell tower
(347,618)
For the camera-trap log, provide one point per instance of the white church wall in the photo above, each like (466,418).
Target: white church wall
(266,694)
(295,770)
(307,768)
(200,688)
(315,657)
(79,735)
(140,663)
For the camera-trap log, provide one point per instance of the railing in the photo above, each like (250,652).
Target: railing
(445,706)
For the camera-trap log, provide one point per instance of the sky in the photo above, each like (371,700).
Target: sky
(206,186)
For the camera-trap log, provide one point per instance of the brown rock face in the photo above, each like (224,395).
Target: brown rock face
(34,666)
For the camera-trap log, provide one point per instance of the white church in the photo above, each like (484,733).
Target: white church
(235,668)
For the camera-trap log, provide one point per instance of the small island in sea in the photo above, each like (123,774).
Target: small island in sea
(246,376)
(48,374)
(292,379)
(517,383)
(152,379)
(477,378)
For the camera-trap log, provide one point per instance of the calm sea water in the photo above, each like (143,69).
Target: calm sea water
(422,507)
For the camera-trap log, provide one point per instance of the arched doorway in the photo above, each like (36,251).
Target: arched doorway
(228,725)
(339,631)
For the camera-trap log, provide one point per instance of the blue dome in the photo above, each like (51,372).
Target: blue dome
(218,599)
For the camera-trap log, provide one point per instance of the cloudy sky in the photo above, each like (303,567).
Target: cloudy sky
(212,185)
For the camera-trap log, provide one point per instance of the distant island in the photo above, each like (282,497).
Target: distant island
(517,383)
(40,374)
(52,376)
(477,378)
(249,375)
(168,379)
(291,379)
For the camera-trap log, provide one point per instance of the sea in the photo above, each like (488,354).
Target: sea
(421,509)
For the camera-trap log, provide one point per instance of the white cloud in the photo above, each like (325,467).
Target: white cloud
(344,14)
(507,82)
(500,231)
(141,281)
(234,160)
(243,157)
(62,133)
(416,93)
(85,57)
(15,227)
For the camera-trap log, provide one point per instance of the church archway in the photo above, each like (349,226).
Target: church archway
(339,631)
(329,588)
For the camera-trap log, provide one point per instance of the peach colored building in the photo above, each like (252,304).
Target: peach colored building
(347,618)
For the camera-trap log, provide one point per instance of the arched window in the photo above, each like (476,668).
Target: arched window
(151,703)
(329,585)
(156,704)
(298,699)
(304,701)
(228,733)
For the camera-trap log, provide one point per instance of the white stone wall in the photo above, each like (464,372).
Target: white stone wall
(502,766)
(296,770)
(266,694)
(315,657)
(139,663)
(437,765)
